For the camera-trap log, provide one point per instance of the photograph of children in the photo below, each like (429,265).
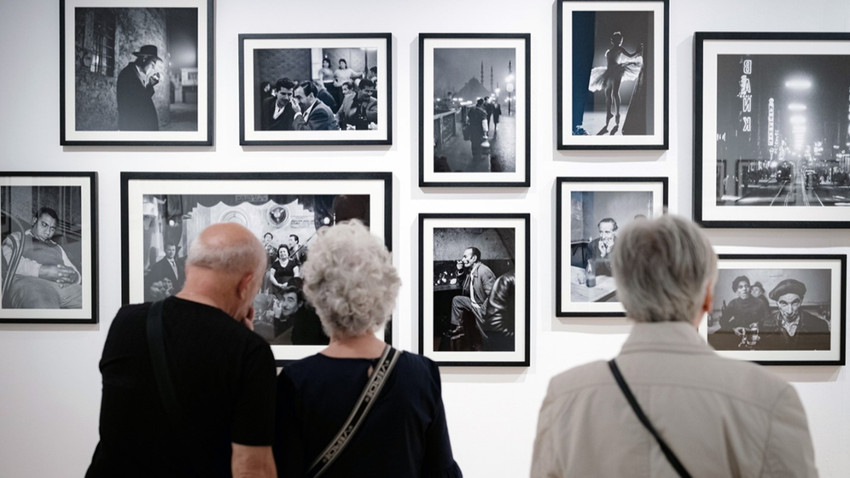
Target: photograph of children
(303,87)
(139,74)
(47,267)
(771,309)
(474,109)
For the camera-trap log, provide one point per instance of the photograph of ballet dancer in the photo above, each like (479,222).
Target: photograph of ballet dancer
(474,118)
(773,129)
(315,89)
(285,214)
(613,75)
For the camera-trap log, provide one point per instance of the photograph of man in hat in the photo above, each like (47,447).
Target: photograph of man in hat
(791,327)
(136,111)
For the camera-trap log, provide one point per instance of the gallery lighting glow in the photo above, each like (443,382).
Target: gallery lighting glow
(797,119)
(797,107)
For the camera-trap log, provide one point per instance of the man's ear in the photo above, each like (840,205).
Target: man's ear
(243,288)
(709,298)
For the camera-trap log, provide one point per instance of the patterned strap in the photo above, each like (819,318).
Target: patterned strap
(358,414)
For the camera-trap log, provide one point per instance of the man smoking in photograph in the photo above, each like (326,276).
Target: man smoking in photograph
(136,111)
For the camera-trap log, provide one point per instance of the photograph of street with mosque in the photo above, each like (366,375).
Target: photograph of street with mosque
(779,308)
(136,74)
(773,127)
(168,214)
(48,266)
(474,113)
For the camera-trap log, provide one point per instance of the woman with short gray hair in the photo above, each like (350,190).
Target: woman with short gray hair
(350,280)
(704,415)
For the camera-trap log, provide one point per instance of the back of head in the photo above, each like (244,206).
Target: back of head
(227,247)
(350,280)
(662,268)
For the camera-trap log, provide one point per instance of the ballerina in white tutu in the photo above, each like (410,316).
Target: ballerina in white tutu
(610,76)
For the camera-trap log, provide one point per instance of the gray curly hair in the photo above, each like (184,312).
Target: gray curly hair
(350,280)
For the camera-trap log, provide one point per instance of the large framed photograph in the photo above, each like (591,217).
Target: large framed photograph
(48,229)
(474,110)
(164,212)
(315,89)
(474,291)
(771,130)
(612,74)
(779,309)
(589,214)
(136,74)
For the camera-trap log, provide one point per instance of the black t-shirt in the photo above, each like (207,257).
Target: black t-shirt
(404,434)
(224,378)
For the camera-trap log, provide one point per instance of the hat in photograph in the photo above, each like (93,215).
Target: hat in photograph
(148,50)
(788,286)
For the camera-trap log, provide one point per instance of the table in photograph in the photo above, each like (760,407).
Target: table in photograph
(604,289)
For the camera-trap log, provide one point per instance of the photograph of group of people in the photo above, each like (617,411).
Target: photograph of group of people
(771,309)
(286,224)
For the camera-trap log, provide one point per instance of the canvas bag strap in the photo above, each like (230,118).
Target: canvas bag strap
(671,457)
(373,388)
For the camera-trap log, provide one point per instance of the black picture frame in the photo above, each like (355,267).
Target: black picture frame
(810,289)
(771,129)
(586,207)
(446,158)
(64,291)
(159,209)
(299,57)
(104,101)
(504,243)
(586,88)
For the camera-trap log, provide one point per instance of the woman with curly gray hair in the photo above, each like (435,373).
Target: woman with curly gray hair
(350,280)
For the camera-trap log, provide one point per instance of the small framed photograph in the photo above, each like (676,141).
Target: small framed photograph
(779,309)
(474,292)
(48,229)
(137,74)
(164,212)
(590,212)
(771,137)
(315,89)
(474,110)
(612,74)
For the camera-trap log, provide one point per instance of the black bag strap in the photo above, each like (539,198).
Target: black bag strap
(156,346)
(370,392)
(671,457)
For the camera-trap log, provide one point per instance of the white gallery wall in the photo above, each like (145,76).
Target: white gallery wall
(49,379)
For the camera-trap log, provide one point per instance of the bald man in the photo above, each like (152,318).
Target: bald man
(223,373)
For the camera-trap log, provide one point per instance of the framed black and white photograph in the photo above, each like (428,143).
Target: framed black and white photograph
(590,212)
(48,229)
(164,212)
(474,291)
(315,89)
(136,74)
(772,130)
(779,309)
(612,74)
(474,110)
